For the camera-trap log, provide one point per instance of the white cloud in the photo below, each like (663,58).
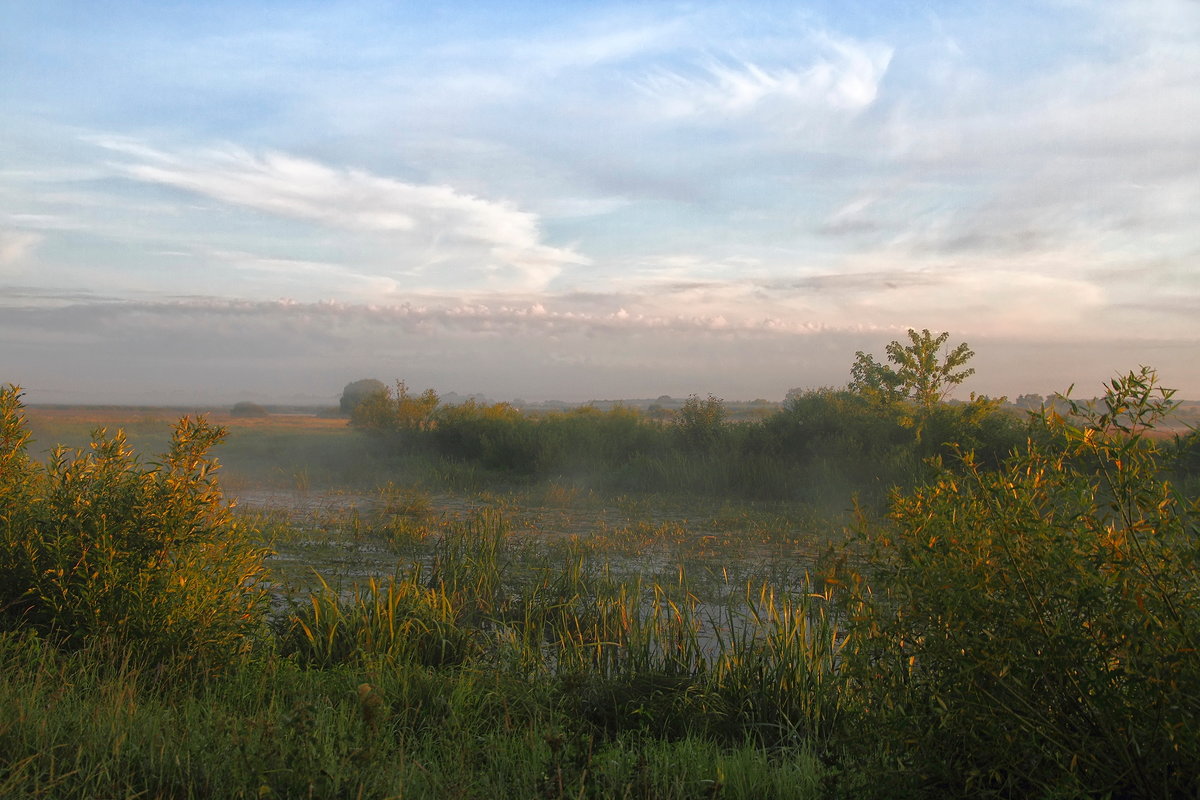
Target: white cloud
(16,245)
(606,44)
(841,75)
(436,223)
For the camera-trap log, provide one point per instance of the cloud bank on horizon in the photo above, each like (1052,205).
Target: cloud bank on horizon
(591,200)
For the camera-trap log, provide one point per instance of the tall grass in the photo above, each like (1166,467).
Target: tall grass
(630,653)
(1025,627)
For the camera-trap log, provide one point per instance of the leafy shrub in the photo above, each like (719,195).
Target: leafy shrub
(700,422)
(1034,629)
(93,545)
(247,409)
(394,410)
(357,391)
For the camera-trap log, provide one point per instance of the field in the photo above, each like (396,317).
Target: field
(381,616)
(337,523)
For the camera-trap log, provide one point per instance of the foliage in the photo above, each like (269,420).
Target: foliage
(247,409)
(822,447)
(1033,630)
(498,436)
(93,545)
(874,380)
(699,422)
(395,410)
(840,443)
(357,391)
(918,375)
(1027,625)
(78,727)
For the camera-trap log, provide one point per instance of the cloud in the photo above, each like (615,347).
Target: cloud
(16,245)
(598,44)
(441,222)
(842,75)
(209,350)
(851,218)
(429,317)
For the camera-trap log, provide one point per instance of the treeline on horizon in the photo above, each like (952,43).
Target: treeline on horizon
(891,426)
(821,442)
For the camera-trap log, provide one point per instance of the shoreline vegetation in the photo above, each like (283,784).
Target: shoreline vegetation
(868,592)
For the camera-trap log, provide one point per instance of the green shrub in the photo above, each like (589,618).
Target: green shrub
(94,545)
(393,410)
(247,409)
(1034,629)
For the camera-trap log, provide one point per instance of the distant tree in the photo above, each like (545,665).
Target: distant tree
(923,372)
(247,409)
(1030,402)
(795,393)
(699,420)
(356,392)
(657,412)
(396,409)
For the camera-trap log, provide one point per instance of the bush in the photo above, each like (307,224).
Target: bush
(247,409)
(95,546)
(394,410)
(358,391)
(1034,629)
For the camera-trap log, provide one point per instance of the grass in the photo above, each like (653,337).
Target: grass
(499,644)
(281,451)
(577,687)
(1012,630)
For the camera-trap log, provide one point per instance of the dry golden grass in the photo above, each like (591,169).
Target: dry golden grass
(130,416)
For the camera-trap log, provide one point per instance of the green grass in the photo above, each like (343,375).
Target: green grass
(1026,628)
(79,725)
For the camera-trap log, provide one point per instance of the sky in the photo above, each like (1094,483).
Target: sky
(223,201)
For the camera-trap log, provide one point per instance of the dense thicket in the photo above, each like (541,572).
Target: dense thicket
(824,444)
(96,546)
(1033,630)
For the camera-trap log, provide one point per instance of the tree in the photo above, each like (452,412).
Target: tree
(1030,402)
(247,409)
(924,371)
(876,381)
(358,391)
(396,409)
(700,421)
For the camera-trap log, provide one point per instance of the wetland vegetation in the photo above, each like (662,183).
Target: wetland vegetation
(870,592)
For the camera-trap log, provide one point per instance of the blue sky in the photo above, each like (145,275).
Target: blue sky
(221,201)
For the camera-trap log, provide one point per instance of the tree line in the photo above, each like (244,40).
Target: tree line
(880,431)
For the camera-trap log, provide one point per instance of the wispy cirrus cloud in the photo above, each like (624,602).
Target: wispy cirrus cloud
(839,74)
(436,222)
